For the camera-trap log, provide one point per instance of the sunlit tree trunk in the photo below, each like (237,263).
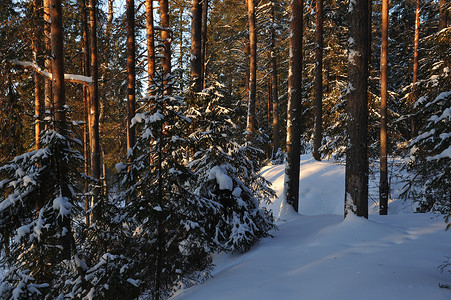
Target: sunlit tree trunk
(274,87)
(294,113)
(383,185)
(196,47)
(131,73)
(94,140)
(86,102)
(166,38)
(150,41)
(415,60)
(318,80)
(48,101)
(356,196)
(59,100)
(36,46)
(251,122)
(204,42)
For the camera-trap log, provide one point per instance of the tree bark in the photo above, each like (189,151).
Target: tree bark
(86,95)
(318,80)
(251,122)
(94,140)
(274,87)
(150,41)
(203,57)
(196,45)
(415,60)
(48,105)
(166,38)
(443,15)
(36,46)
(383,185)
(294,105)
(356,197)
(131,73)
(59,100)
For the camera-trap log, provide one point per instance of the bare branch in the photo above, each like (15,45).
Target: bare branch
(80,79)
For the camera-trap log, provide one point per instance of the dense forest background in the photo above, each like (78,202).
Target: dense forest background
(123,170)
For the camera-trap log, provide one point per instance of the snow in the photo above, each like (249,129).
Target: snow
(138,118)
(444,154)
(224,181)
(318,254)
(62,205)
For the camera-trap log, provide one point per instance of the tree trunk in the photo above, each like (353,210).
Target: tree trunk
(94,140)
(251,122)
(196,41)
(204,42)
(383,185)
(166,38)
(150,41)
(443,15)
(274,88)
(59,100)
(181,45)
(36,46)
(415,61)
(131,73)
(294,105)
(318,81)
(87,101)
(356,197)
(48,101)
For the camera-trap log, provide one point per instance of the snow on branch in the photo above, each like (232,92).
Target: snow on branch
(85,80)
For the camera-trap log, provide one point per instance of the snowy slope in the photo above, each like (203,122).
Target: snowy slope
(318,255)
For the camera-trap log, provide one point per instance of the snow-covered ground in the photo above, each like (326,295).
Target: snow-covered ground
(318,255)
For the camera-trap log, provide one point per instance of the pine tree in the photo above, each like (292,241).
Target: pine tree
(294,113)
(356,192)
(383,186)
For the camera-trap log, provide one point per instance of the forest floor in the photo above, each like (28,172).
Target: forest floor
(319,255)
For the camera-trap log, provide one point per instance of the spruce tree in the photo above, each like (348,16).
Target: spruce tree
(227,169)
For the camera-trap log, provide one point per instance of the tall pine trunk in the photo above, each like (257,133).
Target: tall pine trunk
(36,47)
(59,100)
(94,140)
(166,38)
(150,41)
(294,106)
(131,73)
(86,95)
(356,186)
(274,87)
(251,122)
(416,43)
(318,80)
(48,100)
(196,47)
(383,185)
(204,42)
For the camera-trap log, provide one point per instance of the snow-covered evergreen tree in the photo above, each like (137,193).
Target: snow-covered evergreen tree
(430,158)
(162,217)
(37,203)
(430,153)
(227,169)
